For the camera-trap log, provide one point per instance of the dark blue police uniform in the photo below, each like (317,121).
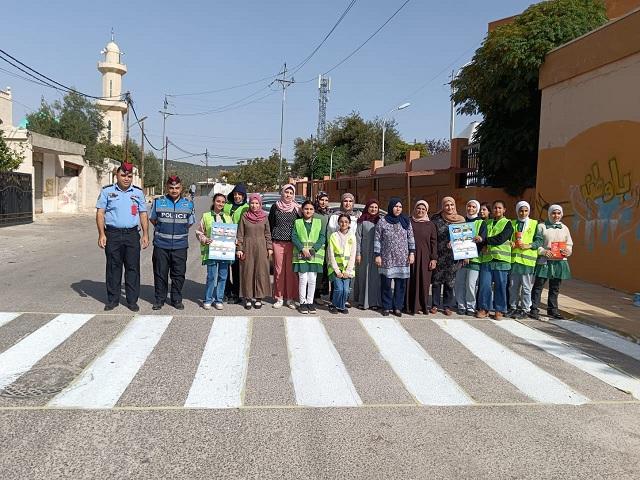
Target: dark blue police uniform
(122,218)
(170,244)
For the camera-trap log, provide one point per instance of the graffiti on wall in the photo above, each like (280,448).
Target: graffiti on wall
(603,210)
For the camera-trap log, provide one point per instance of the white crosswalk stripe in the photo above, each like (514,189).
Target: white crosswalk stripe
(608,339)
(20,358)
(319,376)
(103,382)
(527,377)
(219,381)
(215,368)
(573,356)
(422,376)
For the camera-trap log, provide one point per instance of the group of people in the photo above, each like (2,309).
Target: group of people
(393,263)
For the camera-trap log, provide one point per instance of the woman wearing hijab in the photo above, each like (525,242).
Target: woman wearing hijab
(323,212)
(235,207)
(524,253)
(426,238)
(281,217)
(467,276)
(444,276)
(346,208)
(552,264)
(394,251)
(366,290)
(254,251)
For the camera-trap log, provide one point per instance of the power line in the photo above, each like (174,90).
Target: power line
(135,114)
(225,89)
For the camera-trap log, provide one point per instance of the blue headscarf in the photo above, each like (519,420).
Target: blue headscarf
(393,219)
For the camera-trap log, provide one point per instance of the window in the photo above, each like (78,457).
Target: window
(109,131)
(111,88)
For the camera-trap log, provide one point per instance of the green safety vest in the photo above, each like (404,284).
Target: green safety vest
(237,213)
(308,240)
(528,256)
(341,259)
(208,221)
(476,230)
(497,252)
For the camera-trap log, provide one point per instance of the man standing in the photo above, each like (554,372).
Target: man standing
(235,207)
(121,207)
(172,216)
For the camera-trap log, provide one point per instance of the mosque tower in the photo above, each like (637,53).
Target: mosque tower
(112,105)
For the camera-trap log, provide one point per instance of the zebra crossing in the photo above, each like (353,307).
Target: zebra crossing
(229,361)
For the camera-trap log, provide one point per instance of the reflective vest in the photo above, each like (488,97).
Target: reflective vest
(342,258)
(171,231)
(308,240)
(207,218)
(477,223)
(497,252)
(236,215)
(528,256)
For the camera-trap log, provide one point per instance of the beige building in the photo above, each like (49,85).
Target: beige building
(114,108)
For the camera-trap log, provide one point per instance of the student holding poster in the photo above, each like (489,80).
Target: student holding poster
(552,264)
(217,270)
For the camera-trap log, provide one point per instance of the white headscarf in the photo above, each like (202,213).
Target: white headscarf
(477,204)
(553,208)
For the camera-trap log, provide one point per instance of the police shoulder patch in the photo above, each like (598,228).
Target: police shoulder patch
(107,186)
(135,186)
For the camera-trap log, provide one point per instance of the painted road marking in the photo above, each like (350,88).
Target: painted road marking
(222,372)
(103,382)
(320,378)
(608,339)
(573,356)
(6,317)
(20,358)
(419,372)
(520,372)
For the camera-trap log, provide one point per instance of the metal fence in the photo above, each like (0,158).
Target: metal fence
(470,158)
(16,198)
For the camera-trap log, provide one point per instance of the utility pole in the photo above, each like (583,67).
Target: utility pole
(452,120)
(284,83)
(127,98)
(324,86)
(206,168)
(141,122)
(165,114)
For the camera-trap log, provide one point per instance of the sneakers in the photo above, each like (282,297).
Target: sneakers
(303,309)
(555,315)
(345,311)
(397,313)
(534,314)
(511,313)
(385,313)
(218,306)
(460,311)
(333,309)
(278,304)
(206,306)
(470,313)
(481,314)
(291,304)
(311,309)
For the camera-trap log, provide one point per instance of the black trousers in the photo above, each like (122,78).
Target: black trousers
(442,296)
(554,291)
(169,263)
(122,249)
(232,287)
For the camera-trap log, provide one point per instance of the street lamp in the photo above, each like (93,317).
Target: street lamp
(384,123)
(452,119)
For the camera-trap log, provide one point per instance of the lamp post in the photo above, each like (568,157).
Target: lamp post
(141,123)
(452,119)
(384,123)
(331,162)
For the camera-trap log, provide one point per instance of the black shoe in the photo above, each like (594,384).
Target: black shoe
(302,308)
(345,311)
(311,309)
(134,307)
(556,315)
(397,313)
(157,306)
(333,309)
(534,314)
(520,315)
(257,304)
(385,313)
(178,305)
(247,304)
(461,311)
(110,306)
(237,300)
(511,313)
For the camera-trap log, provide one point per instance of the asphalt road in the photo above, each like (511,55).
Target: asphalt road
(269,394)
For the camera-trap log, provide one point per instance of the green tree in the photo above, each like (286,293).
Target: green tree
(260,174)
(501,83)
(75,119)
(436,145)
(9,158)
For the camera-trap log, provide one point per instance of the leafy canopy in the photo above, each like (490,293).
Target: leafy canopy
(10,159)
(501,84)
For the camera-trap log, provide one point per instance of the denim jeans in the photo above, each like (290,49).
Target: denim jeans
(393,300)
(217,273)
(497,277)
(341,287)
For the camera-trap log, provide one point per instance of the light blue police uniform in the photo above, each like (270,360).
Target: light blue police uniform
(117,205)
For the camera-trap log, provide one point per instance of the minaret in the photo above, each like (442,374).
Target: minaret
(114,107)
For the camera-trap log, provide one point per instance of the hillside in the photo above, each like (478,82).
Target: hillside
(191,173)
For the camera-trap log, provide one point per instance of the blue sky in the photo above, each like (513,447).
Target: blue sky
(192,46)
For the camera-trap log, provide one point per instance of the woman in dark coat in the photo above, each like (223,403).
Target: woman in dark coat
(425,234)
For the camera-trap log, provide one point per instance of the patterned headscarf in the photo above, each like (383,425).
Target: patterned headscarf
(450,217)
(288,205)
(353,199)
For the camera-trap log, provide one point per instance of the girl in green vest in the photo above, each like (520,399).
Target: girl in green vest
(524,253)
(308,240)
(217,270)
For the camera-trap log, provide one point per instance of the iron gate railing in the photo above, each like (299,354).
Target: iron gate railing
(16,198)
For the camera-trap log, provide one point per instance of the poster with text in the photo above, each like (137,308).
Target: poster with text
(461,235)
(223,244)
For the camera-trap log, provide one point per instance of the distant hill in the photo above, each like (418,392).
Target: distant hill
(191,173)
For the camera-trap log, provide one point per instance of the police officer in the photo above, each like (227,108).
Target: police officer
(172,216)
(121,207)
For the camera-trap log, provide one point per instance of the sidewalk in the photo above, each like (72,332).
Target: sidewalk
(601,306)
